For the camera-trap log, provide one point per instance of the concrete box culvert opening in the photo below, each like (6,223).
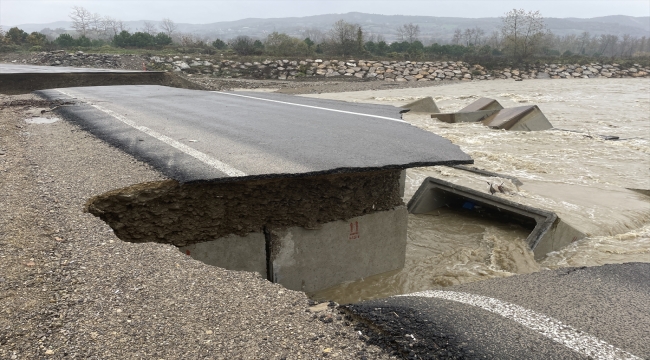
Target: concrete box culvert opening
(306,233)
(548,232)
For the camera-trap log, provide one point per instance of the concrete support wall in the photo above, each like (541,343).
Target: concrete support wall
(339,251)
(244,253)
(314,259)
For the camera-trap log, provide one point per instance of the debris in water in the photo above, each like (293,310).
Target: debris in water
(492,190)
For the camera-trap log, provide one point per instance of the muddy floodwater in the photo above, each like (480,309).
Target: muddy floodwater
(570,170)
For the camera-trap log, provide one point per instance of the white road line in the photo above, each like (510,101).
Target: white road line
(313,107)
(554,329)
(206,159)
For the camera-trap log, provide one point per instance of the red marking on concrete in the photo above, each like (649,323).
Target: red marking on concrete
(187,252)
(354,230)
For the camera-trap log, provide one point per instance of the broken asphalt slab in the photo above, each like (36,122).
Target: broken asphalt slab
(199,135)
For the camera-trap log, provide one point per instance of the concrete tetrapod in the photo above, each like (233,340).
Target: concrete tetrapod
(482,104)
(548,232)
(521,118)
(426,105)
(492,114)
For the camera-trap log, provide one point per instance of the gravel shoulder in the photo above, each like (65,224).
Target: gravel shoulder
(69,288)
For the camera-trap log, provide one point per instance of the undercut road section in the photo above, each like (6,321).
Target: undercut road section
(573,313)
(70,289)
(197,135)
(23,79)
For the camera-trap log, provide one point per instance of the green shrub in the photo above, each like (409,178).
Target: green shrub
(65,41)
(219,44)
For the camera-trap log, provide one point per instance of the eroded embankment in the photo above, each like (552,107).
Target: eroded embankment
(24,83)
(183,214)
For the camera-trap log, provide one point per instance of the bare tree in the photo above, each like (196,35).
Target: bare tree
(343,38)
(112,26)
(81,19)
(523,32)
(458,36)
(96,27)
(314,35)
(478,34)
(375,38)
(408,32)
(149,28)
(495,39)
(168,26)
(468,34)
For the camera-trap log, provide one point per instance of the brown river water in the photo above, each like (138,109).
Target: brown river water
(583,178)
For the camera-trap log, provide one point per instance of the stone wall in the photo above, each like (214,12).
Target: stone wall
(385,70)
(363,69)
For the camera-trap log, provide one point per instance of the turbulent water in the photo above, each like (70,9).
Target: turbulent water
(570,170)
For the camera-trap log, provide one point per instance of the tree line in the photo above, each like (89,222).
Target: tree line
(523,36)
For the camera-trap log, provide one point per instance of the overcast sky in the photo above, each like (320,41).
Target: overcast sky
(14,12)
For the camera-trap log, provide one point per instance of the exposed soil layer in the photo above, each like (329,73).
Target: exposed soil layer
(184,214)
(23,83)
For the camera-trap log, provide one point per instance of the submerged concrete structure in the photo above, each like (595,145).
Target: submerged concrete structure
(492,114)
(481,105)
(521,118)
(548,232)
(305,192)
(426,105)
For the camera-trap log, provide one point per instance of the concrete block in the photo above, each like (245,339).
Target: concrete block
(521,118)
(560,235)
(314,259)
(482,104)
(426,105)
(548,232)
(232,252)
(458,117)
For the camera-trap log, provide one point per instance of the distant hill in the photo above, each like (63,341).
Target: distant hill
(432,28)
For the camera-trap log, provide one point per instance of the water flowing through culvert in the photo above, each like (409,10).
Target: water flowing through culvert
(578,175)
(445,248)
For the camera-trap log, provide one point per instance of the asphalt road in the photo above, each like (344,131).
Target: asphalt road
(198,135)
(573,313)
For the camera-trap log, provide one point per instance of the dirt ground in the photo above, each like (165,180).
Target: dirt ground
(69,288)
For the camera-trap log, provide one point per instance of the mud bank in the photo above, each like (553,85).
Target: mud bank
(184,214)
(24,83)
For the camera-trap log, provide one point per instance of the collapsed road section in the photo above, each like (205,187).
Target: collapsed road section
(23,79)
(305,192)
